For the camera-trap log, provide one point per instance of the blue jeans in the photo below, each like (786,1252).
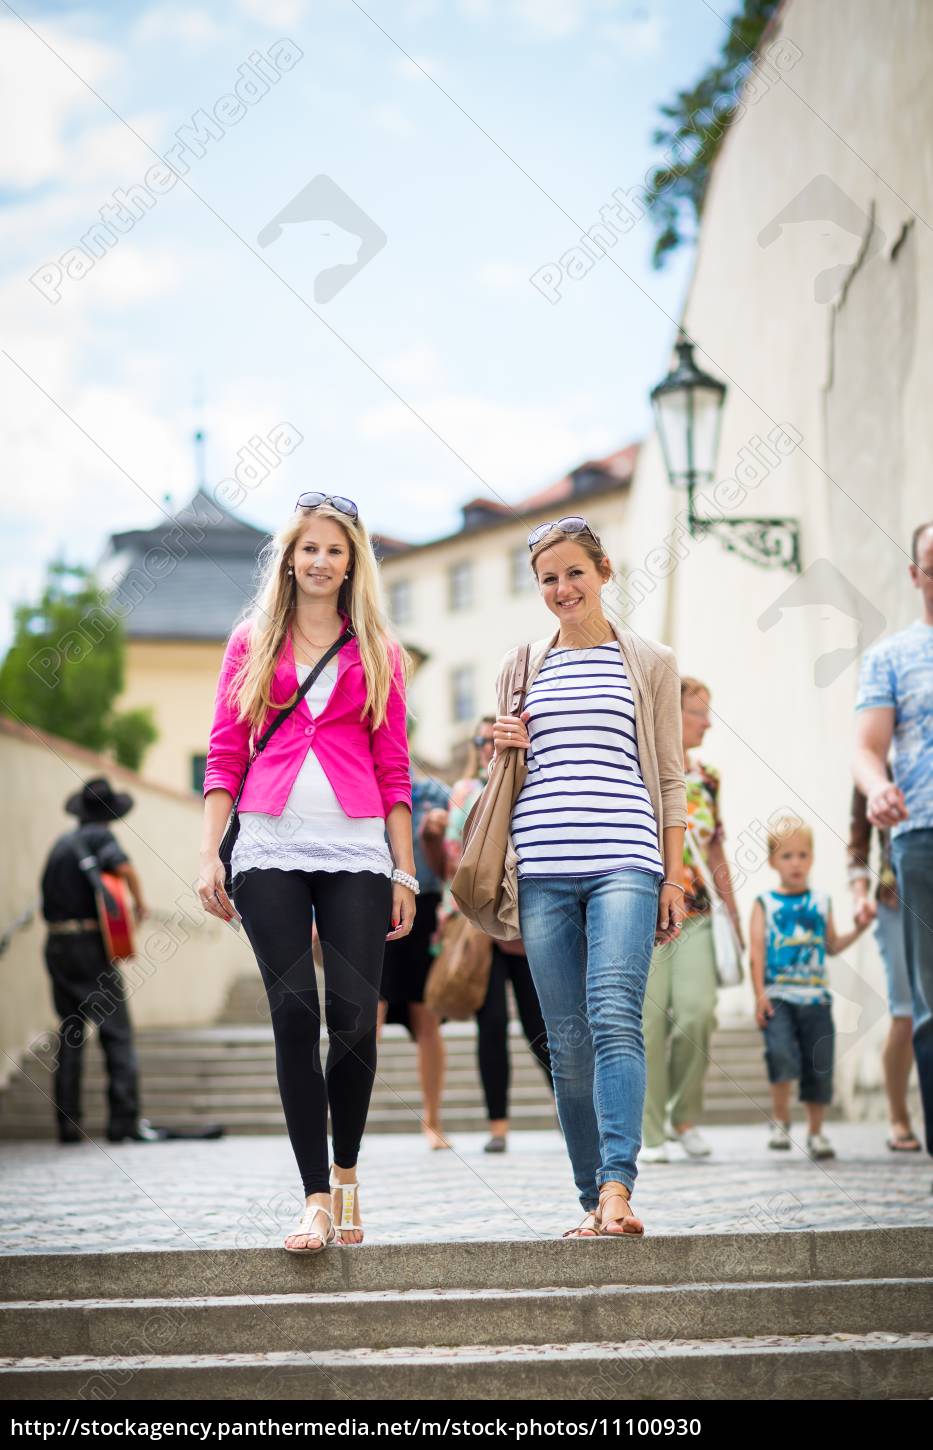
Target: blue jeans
(912,853)
(589,941)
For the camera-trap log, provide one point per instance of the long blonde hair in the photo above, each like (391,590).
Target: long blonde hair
(273,606)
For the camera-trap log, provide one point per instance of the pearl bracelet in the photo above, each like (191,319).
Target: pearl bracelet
(404,878)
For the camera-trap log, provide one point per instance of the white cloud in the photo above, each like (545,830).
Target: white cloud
(41,100)
(392,119)
(557,19)
(175,22)
(130,274)
(514,448)
(112,152)
(551,19)
(639,36)
(415,68)
(278,14)
(418,366)
(504,277)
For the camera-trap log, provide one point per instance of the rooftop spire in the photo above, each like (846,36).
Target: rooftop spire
(200,437)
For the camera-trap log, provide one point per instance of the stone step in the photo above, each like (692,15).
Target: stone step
(799,1367)
(159,1096)
(394,1119)
(791,1256)
(376,1319)
(250,1121)
(227,1074)
(395,1073)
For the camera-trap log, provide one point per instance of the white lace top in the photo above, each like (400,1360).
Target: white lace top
(313,833)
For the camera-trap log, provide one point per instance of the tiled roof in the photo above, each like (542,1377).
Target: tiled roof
(198,583)
(619,466)
(200,598)
(598,475)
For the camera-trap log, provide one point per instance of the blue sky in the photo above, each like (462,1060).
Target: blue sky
(439,371)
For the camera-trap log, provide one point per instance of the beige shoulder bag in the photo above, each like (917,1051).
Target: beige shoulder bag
(477,883)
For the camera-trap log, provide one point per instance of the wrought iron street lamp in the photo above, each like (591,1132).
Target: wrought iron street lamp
(688,409)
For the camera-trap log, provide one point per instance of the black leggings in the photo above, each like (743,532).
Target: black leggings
(352,910)
(492,1020)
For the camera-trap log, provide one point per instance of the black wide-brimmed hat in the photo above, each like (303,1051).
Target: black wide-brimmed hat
(98,801)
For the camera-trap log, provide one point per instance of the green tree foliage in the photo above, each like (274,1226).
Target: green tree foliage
(131,734)
(694,126)
(65,668)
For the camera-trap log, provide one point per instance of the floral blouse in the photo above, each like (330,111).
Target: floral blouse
(705,826)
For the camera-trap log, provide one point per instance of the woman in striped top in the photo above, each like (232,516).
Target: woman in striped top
(597,831)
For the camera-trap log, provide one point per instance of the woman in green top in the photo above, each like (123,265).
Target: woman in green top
(509,962)
(680,1000)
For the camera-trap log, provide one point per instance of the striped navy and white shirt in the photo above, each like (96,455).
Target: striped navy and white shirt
(584,808)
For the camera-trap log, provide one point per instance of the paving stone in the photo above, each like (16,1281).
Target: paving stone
(243,1191)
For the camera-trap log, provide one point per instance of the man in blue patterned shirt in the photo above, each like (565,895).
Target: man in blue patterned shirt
(895,709)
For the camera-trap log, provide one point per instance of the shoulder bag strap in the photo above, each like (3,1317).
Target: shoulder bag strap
(90,867)
(520,682)
(300,694)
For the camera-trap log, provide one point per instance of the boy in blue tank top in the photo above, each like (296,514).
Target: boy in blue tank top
(791,934)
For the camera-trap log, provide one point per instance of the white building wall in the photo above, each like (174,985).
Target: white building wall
(850,371)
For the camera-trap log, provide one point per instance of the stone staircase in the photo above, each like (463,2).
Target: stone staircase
(226,1074)
(785,1315)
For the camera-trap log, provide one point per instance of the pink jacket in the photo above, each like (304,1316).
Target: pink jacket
(368,769)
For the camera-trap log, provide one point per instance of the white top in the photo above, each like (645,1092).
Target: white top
(584,808)
(313,833)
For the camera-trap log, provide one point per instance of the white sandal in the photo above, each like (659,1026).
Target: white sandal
(306,1226)
(346,1201)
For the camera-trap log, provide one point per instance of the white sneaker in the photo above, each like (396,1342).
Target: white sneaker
(780,1135)
(819,1147)
(693,1143)
(654,1155)
(669,1133)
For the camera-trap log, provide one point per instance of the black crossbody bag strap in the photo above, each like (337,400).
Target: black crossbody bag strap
(284,714)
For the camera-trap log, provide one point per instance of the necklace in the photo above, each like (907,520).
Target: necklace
(318,649)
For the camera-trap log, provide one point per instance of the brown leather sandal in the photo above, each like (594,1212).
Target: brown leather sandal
(614,1226)
(588,1229)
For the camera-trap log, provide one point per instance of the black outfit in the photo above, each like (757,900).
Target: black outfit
(492,1021)
(353,914)
(408,961)
(85,986)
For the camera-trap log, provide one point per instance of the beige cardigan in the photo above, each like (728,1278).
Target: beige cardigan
(655,681)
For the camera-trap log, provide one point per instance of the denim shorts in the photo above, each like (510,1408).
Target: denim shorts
(799,1044)
(889,934)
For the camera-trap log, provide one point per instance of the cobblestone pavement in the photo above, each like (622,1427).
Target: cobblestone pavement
(242,1191)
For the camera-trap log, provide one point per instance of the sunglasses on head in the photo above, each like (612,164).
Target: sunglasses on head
(573,524)
(314,500)
(480,740)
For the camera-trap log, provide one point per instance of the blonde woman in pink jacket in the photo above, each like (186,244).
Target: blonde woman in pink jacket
(319,802)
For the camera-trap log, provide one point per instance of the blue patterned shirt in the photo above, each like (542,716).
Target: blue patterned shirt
(795,946)
(898,673)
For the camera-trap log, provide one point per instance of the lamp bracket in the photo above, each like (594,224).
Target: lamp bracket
(771,543)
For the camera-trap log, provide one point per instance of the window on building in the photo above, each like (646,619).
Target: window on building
(521,577)
(462,694)
(460,585)
(400,601)
(198,767)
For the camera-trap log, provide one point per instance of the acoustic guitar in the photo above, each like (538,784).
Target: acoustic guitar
(115,914)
